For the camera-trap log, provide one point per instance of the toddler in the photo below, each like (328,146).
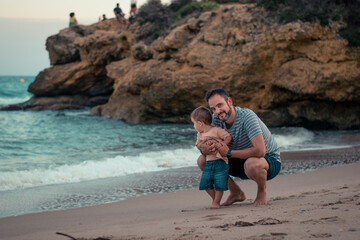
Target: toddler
(215,174)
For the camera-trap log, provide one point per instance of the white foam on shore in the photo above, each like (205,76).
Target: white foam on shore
(14,100)
(294,138)
(90,170)
(288,140)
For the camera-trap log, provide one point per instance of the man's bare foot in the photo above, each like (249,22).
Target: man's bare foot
(260,198)
(234,198)
(215,205)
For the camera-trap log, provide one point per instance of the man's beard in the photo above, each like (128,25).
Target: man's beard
(227,114)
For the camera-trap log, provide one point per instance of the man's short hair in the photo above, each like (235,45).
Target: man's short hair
(215,91)
(202,114)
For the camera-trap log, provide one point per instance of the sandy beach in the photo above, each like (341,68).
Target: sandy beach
(321,204)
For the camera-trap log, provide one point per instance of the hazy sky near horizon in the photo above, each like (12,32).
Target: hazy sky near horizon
(25,26)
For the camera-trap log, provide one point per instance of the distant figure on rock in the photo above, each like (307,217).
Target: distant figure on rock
(133,9)
(104,17)
(120,16)
(72,21)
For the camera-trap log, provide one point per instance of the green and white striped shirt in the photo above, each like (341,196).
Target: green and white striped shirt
(246,126)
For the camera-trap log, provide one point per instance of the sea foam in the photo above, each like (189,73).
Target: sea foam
(14,100)
(292,138)
(90,170)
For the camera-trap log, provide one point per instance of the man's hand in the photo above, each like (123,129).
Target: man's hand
(212,146)
(207,147)
(222,148)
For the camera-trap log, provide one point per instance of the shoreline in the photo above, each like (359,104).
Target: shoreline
(109,190)
(324,203)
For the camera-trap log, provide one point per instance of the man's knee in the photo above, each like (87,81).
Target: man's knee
(201,162)
(255,166)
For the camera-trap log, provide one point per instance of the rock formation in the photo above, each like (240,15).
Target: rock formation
(298,74)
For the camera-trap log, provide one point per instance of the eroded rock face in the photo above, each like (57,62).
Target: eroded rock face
(298,74)
(72,79)
(294,74)
(104,47)
(62,47)
(78,77)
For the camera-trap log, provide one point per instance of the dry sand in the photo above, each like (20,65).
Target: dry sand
(321,204)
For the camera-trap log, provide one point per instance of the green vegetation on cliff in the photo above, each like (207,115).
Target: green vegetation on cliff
(162,17)
(323,11)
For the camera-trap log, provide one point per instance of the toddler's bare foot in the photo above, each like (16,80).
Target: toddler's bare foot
(215,205)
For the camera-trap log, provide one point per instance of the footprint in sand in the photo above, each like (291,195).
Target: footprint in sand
(321,235)
(330,219)
(326,219)
(268,221)
(236,224)
(213,217)
(265,221)
(243,224)
(271,236)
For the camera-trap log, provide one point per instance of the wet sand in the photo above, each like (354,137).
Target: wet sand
(319,204)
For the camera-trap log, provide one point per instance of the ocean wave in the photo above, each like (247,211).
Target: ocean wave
(292,138)
(4,101)
(91,170)
(13,89)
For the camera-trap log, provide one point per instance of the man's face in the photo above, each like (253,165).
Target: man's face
(220,107)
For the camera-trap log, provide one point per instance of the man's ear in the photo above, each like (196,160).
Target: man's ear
(230,102)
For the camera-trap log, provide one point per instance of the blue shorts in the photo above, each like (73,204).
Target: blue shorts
(237,167)
(215,175)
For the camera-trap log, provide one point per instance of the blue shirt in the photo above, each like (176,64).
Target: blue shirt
(118,11)
(246,126)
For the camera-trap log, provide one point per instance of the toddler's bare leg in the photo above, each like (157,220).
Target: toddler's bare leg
(211,193)
(216,203)
(201,162)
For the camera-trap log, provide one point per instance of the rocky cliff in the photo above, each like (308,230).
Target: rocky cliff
(298,74)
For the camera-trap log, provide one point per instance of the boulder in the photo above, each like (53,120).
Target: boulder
(141,51)
(72,79)
(62,48)
(103,47)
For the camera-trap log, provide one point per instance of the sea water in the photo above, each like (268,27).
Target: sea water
(53,160)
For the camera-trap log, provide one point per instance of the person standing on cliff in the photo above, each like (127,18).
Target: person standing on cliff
(253,152)
(133,8)
(120,16)
(72,21)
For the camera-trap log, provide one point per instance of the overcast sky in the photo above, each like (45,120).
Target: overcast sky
(25,25)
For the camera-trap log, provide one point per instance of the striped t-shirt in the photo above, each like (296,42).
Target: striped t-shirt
(246,126)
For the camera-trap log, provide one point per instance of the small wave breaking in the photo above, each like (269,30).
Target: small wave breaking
(14,100)
(293,138)
(90,170)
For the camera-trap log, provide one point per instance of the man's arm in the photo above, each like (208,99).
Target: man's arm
(257,150)
(227,139)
